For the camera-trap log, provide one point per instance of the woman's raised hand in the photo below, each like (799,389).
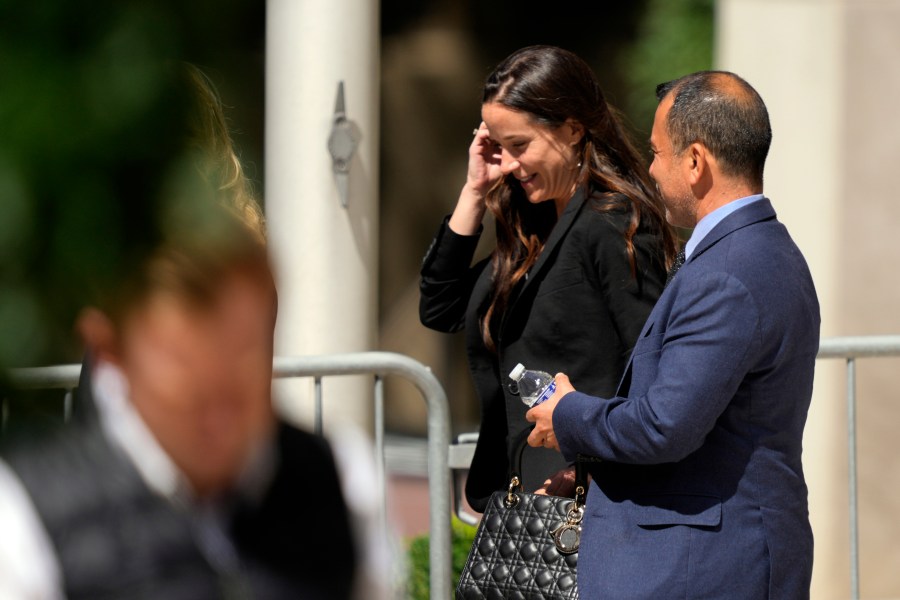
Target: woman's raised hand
(484,162)
(483,173)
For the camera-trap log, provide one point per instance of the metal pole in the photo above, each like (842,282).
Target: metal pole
(50,378)
(67,406)
(852,483)
(859,346)
(319,408)
(388,363)
(380,471)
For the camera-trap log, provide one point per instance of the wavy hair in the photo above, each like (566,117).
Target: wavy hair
(552,85)
(204,220)
(219,162)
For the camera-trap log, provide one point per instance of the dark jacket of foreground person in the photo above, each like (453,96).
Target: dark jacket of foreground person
(115,538)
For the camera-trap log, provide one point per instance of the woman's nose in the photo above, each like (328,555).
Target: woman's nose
(507,163)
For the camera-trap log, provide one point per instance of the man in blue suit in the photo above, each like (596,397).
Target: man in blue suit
(698,488)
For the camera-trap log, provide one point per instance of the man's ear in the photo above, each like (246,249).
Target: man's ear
(696,163)
(99,334)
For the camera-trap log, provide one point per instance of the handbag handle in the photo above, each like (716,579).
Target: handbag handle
(515,465)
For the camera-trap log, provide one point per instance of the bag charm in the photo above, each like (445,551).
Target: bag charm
(568,535)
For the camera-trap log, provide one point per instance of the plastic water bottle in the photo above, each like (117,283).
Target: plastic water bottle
(534,386)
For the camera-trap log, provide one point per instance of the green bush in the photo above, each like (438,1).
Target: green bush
(462,536)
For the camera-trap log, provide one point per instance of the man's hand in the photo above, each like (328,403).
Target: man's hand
(542,416)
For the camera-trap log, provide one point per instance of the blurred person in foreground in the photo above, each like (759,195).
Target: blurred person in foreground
(183,484)
(698,488)
(217,167)
(581,256)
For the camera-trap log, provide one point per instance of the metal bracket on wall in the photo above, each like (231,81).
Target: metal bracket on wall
(342,143)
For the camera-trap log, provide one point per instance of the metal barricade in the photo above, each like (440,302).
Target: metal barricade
(379,365)
(851,349)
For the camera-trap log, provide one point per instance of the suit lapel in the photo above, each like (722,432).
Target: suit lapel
(556,236)
(761,210)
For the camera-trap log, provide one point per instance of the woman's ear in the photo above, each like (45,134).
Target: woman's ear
(575,130)
(99,334)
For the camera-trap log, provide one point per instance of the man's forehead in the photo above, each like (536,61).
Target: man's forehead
(658,131)
(665,105)
(235,295)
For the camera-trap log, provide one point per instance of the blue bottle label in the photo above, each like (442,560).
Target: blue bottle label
(548,391)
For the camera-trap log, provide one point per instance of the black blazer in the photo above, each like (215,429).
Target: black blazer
(579,312)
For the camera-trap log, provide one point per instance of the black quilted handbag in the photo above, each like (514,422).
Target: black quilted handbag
(526,547)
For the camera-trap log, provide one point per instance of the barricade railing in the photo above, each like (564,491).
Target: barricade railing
(377,364)
(380,364)
(851,349)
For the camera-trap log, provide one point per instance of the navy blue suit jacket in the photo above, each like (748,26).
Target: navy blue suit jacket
(700,491)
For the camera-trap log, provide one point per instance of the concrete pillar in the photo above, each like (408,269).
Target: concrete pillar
(325,255)
(792,52)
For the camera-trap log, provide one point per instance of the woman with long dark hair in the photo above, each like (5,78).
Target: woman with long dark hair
(582,251)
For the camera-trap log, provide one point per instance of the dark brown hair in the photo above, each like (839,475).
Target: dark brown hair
(551,86)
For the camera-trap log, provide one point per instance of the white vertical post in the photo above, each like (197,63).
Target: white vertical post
(792,52)
(325,255)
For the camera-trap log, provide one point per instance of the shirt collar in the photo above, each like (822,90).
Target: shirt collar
(709,222)
(124,427)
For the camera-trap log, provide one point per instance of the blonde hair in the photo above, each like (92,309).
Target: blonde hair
(208,222)
(219,163)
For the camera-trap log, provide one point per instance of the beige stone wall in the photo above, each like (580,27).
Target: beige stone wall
(827,70)
(869,284)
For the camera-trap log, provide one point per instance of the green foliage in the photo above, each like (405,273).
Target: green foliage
(674,38)
(462,536)
(89,125)
(82,104)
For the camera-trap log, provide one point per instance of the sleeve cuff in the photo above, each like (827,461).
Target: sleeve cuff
(569,419)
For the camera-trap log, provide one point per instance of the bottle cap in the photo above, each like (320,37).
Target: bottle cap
(517,372)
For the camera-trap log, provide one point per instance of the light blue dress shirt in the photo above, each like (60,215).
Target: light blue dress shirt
(709,222)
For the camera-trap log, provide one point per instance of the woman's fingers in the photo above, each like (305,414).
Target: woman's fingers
(484,160)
